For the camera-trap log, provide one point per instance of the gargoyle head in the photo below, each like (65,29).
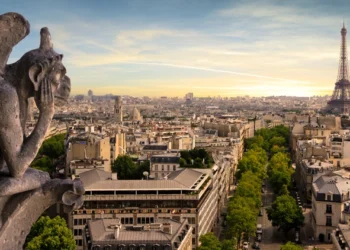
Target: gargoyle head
(39,64)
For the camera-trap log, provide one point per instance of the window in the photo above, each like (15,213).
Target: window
(329,197)
(329,221)
(174,167)
(328,209)
(168,167)
(156,175)
(162,167)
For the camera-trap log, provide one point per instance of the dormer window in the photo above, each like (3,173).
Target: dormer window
(329,197)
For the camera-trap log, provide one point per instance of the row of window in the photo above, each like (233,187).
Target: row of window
(155,167)
(133,247)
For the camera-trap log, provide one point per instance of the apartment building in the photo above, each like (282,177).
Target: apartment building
(306,171)
(339,149)
(186,194)
(111,234)
(89,145)
(162,165)
(330,197)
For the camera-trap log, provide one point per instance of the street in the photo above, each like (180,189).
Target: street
(271,239)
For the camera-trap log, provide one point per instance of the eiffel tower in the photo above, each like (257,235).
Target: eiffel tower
(340,101)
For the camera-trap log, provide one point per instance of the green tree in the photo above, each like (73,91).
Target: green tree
(124,167)
(53,147)
(182,162)
(209,242)
(278,141)
(144,167)
(198,163)
(291,246)
(277,149)
(229,244)
(47,234)
(44,164)
(285,213)
(284,190)
(241,217)
(254,141)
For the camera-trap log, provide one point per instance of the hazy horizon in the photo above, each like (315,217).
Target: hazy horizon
(157,48)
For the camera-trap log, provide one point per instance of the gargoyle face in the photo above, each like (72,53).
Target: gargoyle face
(63,91)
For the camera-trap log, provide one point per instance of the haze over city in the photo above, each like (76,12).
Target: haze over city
(227,48)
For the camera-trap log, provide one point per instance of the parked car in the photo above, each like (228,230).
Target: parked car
(256,245)
(245,245)
(259,229)
(258,237)
(297,237)
(261,212)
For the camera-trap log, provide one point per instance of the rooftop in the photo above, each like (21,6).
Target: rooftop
(184,179)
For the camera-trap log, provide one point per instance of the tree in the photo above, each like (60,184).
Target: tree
(125,167)
(277,149)
(254,141)
(182,162)
(278,141)
(53,147)
(291,246)
(209,242)
(229,244)
(284,190)
(285,213)
(241,217)
(144,167)
(44,164)
(49,233)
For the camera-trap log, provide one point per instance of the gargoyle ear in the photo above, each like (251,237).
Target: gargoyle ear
(36,75)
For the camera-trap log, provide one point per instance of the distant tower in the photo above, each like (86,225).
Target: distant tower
(340,101)
(90,94)
(118,112)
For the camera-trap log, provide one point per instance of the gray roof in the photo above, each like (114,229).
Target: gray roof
(156,147)
(166,158)
(103,230)
(336,185)
(183,179)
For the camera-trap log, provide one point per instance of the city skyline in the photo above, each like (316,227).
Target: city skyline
(231,48)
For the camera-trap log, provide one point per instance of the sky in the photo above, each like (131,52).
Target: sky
(208,47)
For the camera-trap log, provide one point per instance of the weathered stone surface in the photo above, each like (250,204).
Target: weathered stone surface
(22,210)
(26,193)
(39,73)
(32,179)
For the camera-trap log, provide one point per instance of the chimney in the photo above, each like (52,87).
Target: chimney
(116,232)
(167,228)
(114,176)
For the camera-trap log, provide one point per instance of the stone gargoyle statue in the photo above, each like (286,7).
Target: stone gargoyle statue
(25,193)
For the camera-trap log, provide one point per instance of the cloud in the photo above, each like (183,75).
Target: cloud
(132,37)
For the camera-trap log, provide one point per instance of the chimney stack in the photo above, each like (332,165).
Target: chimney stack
(116,232)
(167,228)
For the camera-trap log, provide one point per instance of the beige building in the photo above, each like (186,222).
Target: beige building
(186,194)
(164,234)
(162,165)
(306,171)
(330,196)
(89,145)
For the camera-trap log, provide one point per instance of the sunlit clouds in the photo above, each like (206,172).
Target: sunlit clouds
(231,48)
